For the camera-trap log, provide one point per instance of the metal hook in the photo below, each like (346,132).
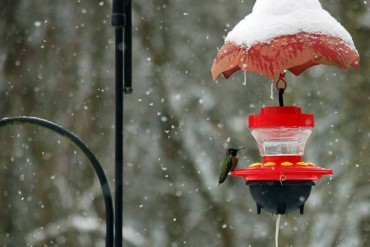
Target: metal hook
(281,79)
(282,179)
(281,89)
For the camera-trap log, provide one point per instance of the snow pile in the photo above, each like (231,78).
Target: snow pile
(274,18)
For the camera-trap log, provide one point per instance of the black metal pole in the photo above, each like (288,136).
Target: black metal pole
(118,22)
(128,47)
(119,142)
(121,19)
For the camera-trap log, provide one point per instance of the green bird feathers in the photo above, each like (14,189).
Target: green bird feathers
(229,165)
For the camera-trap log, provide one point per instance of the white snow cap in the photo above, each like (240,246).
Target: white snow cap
(274,18)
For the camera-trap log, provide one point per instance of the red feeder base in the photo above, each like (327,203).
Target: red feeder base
(279,186)
(282,168)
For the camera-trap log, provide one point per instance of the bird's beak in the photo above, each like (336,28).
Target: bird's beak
(240,149)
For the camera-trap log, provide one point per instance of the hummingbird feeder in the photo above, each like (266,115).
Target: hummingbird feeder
(279,36)
(282,182)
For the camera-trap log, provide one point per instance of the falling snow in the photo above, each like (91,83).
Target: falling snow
(57,63)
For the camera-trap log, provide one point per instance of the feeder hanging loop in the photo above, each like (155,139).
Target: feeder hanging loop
(281,79)
(281,89)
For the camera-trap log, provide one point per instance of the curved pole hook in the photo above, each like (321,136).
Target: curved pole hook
(91,157)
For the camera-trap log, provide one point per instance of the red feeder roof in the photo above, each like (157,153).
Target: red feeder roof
(295,53)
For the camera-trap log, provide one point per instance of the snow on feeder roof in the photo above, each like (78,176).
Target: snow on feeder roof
(285,35)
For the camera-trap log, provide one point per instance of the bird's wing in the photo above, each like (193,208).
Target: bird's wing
(225,169)
(234,163)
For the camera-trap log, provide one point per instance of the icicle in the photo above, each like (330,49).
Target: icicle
(245,74)
(245,77)
(272,91)
(277,230)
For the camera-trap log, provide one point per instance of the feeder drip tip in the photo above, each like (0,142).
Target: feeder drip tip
(282,88)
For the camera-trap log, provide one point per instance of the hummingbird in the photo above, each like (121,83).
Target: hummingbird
(230,163)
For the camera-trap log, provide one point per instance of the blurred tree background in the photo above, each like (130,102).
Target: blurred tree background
(57,63)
